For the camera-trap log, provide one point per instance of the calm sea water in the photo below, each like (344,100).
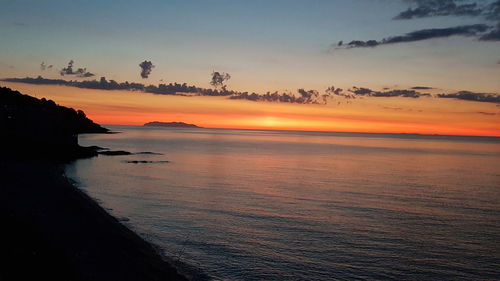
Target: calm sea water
(268,205)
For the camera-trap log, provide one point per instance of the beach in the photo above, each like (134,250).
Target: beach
(53,231)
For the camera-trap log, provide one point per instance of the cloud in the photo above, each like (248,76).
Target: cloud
(339,92)
(471,96)
(486,113)
(80,72)
(424,34)
(492,11)
(391,93)
(43,66)
(493,35)
(146,68)
(302,96)
(68,70)
(432,8)
(489,11)
(421,88)
(218,79)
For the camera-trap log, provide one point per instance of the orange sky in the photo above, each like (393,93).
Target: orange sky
(373,114)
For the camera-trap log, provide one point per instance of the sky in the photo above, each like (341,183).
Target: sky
(271,45)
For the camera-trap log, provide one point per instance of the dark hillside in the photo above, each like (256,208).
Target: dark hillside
(31,126)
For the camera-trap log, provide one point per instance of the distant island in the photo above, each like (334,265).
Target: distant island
(171,124)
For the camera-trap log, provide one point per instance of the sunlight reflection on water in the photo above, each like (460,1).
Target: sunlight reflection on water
(267,205)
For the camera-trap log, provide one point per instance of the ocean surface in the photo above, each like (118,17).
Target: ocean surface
(271,205)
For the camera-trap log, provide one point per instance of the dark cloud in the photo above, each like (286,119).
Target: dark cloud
(44,66)
(493,35)
(308,95)
(391,93)
(431,8)
(332,91)
(146,68)
(80,72)
(471,96)
(421,88)
(424,34)
(219,78)
(486,113)
(489,11)
(302,96)
(492,11)
(399,93)
(68,70)
(361,91)
(359,43)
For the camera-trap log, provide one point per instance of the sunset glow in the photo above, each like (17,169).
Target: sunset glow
(373,115)
(250,140)
(387,70)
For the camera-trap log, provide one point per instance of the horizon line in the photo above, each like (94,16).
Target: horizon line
(313,131)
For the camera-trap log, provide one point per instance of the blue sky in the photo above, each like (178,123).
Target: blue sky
(265,45)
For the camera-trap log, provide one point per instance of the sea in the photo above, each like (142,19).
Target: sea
(229,204)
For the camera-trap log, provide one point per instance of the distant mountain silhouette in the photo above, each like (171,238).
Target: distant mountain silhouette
(38,126)
(171,124)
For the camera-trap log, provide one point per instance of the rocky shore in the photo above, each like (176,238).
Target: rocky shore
(50,229)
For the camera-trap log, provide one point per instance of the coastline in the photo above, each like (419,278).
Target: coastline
(52,229)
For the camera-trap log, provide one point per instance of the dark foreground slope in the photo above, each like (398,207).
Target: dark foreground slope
(51,230)
(31,127)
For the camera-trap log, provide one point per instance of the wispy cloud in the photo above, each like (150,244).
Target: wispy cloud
(472,96)
(44,66)
(486,12)
(487,113)
(493,35)
(431,8)
(421,88)
(424,34)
